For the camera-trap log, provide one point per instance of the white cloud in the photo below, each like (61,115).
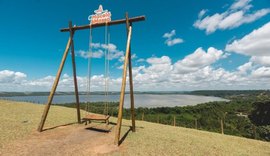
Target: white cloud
(169,34)
(140,60)
(122,58)
(116,55)
(262,60)
(156,60)
(262,72)
(202,13)
(245,67)
(98,51)
(120,67)
(257,43)
(194,72)
(17,81)
(85,54)
(7,76)
(232,20)
(238,14)
(95,45)
(134,56)
(158,71)
(42,82)
(174,41)
(111,47)
(226,55)
(198,59)
(239,4)
(170,41)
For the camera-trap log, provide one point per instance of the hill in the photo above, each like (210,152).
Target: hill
(19,122)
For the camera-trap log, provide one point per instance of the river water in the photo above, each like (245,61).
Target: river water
(141,100)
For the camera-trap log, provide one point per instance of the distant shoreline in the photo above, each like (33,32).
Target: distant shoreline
(141,100)
(216,93)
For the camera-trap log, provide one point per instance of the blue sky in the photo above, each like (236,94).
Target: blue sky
(182,45)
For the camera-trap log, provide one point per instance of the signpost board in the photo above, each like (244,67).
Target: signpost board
(100,16)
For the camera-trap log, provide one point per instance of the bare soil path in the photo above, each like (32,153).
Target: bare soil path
(65,140)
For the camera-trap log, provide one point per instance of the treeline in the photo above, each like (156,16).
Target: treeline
(217,93)
(228,93)
(244,115)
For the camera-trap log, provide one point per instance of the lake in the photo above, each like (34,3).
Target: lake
(141,100)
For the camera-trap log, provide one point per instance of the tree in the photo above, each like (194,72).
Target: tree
(260,115)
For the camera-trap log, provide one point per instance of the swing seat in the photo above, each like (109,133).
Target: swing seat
(97,117)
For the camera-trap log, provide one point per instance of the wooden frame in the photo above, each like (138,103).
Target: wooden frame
(127,62)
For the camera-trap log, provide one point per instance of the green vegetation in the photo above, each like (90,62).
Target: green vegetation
(228,93)
(246,114)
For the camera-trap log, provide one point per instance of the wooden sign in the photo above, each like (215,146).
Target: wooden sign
(100,16)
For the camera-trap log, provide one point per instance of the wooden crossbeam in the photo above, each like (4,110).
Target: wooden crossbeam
(115,22)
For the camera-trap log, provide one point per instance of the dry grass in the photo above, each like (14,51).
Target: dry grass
(19,119)
(157,139)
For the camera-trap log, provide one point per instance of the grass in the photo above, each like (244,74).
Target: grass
(157,139)
(19,119)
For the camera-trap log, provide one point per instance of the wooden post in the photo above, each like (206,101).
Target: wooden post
(174,121)
(142,116)
(130,79)
(112,113)
(254,131)
(196,124)
(122,95)
(221,126)
(50,98)
(74,74)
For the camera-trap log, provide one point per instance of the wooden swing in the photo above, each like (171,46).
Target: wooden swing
(105,116)
(127,63)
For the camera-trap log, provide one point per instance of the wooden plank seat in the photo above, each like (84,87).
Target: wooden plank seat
(97,117)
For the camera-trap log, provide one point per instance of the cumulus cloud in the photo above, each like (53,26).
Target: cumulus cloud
(122,58)
(86,54)
(202,13)
(257,43)
(194,72)
(243,69)
(98,51)
(262,60)
(10,80)
(239,4)
(140,60)
(237,14)
(8,76)
(17,81)
(198,59)
(262,72)
(170,40)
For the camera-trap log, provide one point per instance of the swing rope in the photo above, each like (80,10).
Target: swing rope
(106,74)
(106,64)
(89,70)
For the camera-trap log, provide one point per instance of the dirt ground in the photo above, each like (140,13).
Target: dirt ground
(93,139)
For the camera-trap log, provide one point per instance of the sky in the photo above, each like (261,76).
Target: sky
(181,46)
